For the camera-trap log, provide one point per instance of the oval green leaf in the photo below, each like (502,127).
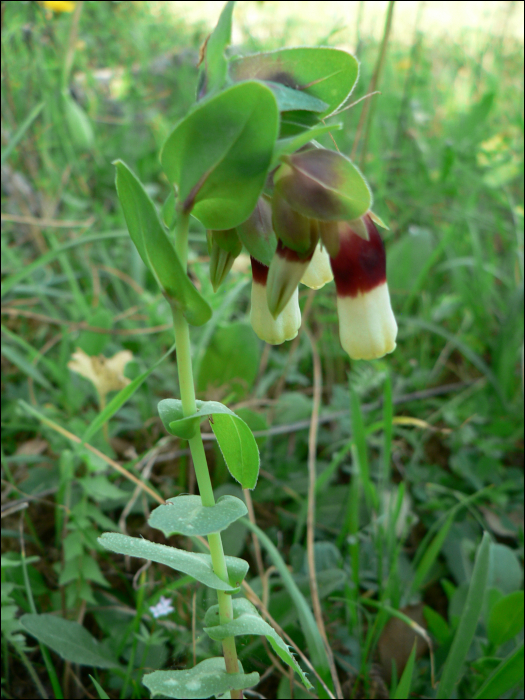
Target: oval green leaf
(505,619)
(187,516)
(235,438)
(156,249)
(248,621)
(325,73)
(197,565)
(68,639)
(206,679)
(219,155)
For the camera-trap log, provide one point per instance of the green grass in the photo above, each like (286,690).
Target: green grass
(426,451)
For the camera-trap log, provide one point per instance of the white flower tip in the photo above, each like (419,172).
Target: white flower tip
(274,330)
(319,271)
(367,327)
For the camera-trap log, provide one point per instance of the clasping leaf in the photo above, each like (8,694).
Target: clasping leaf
(235,438)
(156,249)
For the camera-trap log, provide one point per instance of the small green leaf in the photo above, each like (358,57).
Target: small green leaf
(207,678)
(248,621)
(214,66)
(505,619)
(197,565)
(156,249)
(68,639)
(219,154)
(93,343)
(187,516)
(504,677)
(325,73)
(235,438)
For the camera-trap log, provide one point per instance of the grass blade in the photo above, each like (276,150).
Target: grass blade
(467,623)
(26,270)
(403,688)
(19,134)
(306,617)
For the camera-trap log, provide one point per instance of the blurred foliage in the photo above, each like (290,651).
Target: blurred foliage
(444,158)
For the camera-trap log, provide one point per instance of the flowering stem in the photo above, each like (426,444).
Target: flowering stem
(189,406)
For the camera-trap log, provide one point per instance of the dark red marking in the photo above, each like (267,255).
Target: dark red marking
(259,271)
(360,265)
(291,255)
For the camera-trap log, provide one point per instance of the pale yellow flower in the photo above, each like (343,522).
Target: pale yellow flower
(105,373)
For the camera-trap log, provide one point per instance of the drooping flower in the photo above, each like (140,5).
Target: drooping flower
(319,271)
(367,327)
(270,329)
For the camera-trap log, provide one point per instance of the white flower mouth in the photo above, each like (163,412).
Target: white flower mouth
(278,330)
(367,327)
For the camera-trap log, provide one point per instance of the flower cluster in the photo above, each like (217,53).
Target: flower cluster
(316,232)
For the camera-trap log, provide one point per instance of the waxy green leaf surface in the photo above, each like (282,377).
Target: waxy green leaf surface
(248,621)
(325,73)
(219,155)
(156,249)
(187,516)
(207,678)
(235,438)
(68,639)
(197,565)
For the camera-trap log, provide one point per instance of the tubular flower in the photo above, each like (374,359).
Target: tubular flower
(367,327)
(318,272)
(272,330)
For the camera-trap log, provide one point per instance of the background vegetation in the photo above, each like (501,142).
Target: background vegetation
(415,455)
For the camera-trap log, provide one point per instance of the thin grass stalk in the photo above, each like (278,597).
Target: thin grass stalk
(310,518)
(364,118)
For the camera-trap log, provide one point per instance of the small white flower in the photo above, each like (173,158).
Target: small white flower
(163,607)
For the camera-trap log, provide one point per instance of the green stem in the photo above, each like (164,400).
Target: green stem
(189,406)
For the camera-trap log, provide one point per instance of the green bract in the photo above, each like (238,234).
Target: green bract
(323,185)
(256,233)
(156,249)
(235,438)
(196,565)
(219,155)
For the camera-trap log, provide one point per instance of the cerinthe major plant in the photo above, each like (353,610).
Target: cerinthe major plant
(245,163)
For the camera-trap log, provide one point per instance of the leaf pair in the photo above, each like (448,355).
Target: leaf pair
(235,438)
